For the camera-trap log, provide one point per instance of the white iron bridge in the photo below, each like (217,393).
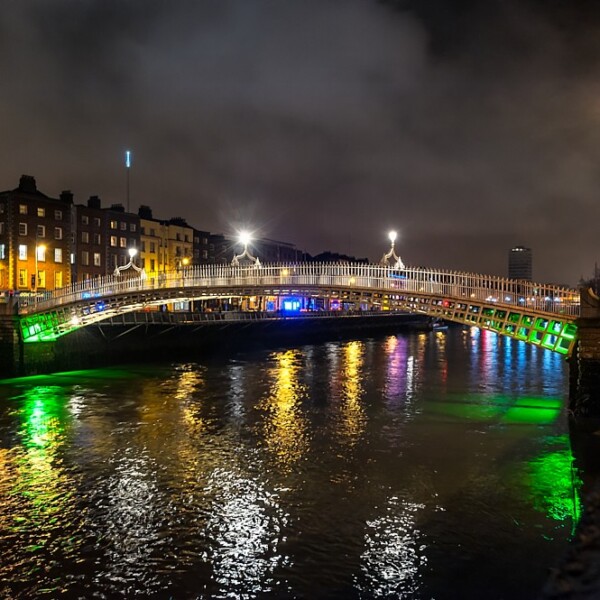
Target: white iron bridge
(538,314)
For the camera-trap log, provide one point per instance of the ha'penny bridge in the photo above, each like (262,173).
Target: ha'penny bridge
(536,314)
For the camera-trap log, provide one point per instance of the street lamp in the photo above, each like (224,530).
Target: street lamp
(398,264)
(130,265)
(245,239)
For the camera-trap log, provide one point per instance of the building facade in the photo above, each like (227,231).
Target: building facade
(35,239)
(520,263)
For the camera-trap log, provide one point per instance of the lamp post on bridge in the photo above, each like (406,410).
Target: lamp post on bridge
(398,264)
(245,239)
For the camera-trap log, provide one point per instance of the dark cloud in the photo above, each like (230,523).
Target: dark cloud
(468,126)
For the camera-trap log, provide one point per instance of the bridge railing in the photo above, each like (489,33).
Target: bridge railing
(354,277)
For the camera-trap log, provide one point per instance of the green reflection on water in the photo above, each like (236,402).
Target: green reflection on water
(502,409)
(554,482)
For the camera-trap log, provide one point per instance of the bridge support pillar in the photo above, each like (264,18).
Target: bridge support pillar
(584,393)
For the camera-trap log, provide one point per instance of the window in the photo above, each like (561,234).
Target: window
(123,242)
(2,251)
(204,254)
(58,233)
(22,228)
(132,243)
(178,237)
(132,227)
(152,246)
(58,215)
(41,253)
(85,237)
(58,255)
(123,226)
(96,221)
(85,258)
(22,252)
(41,231)
(22,277)
(113,240)
(41,212)
(113,224)
(22,209)
(143,246)
(58,279)
(143,230)
(152,264)
(153,232)
(186,238)
(97,239)
(85,220)
(41,279)
(97,259)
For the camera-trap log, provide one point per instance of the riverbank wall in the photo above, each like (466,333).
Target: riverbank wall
(115,342)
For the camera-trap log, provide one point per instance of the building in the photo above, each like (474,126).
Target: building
(520,263)
(35,239)
(166,245)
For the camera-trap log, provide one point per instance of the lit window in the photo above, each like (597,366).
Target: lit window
(41,253)
(22,228)
(22,251)
(113,240)
(58,279)
(41,212)
(2,251)
(85,258)
(22,209)
(97,259)
(41,279)
(22,277)
(58,255)
(123,242)
(58,233)
(113,225)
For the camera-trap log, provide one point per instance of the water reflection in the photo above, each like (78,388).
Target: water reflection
(38,494)
(285,428)
(394,553)
(349,390)
(245,530)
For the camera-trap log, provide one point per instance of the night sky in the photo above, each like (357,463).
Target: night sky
(467,126)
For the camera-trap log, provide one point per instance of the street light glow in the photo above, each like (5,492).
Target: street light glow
(132,252)
(245,238)
(392,235)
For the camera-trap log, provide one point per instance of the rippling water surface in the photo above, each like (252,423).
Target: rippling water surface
(422,465)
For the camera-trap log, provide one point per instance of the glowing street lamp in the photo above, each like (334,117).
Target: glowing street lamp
(397,264)
(130,265)
(244,238)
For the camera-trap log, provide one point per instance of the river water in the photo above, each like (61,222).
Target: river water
(421,465)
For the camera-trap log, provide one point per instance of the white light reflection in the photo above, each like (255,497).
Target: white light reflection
(394,555)
(245,528)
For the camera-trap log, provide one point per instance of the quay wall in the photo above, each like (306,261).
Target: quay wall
(113,343)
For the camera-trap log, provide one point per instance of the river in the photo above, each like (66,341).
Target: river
(420,465)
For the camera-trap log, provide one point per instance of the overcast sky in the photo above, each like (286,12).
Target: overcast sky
(469,127)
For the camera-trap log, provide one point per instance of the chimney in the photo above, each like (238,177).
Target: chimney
(27,184)
(144,212)
(67,196)
(94,202)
